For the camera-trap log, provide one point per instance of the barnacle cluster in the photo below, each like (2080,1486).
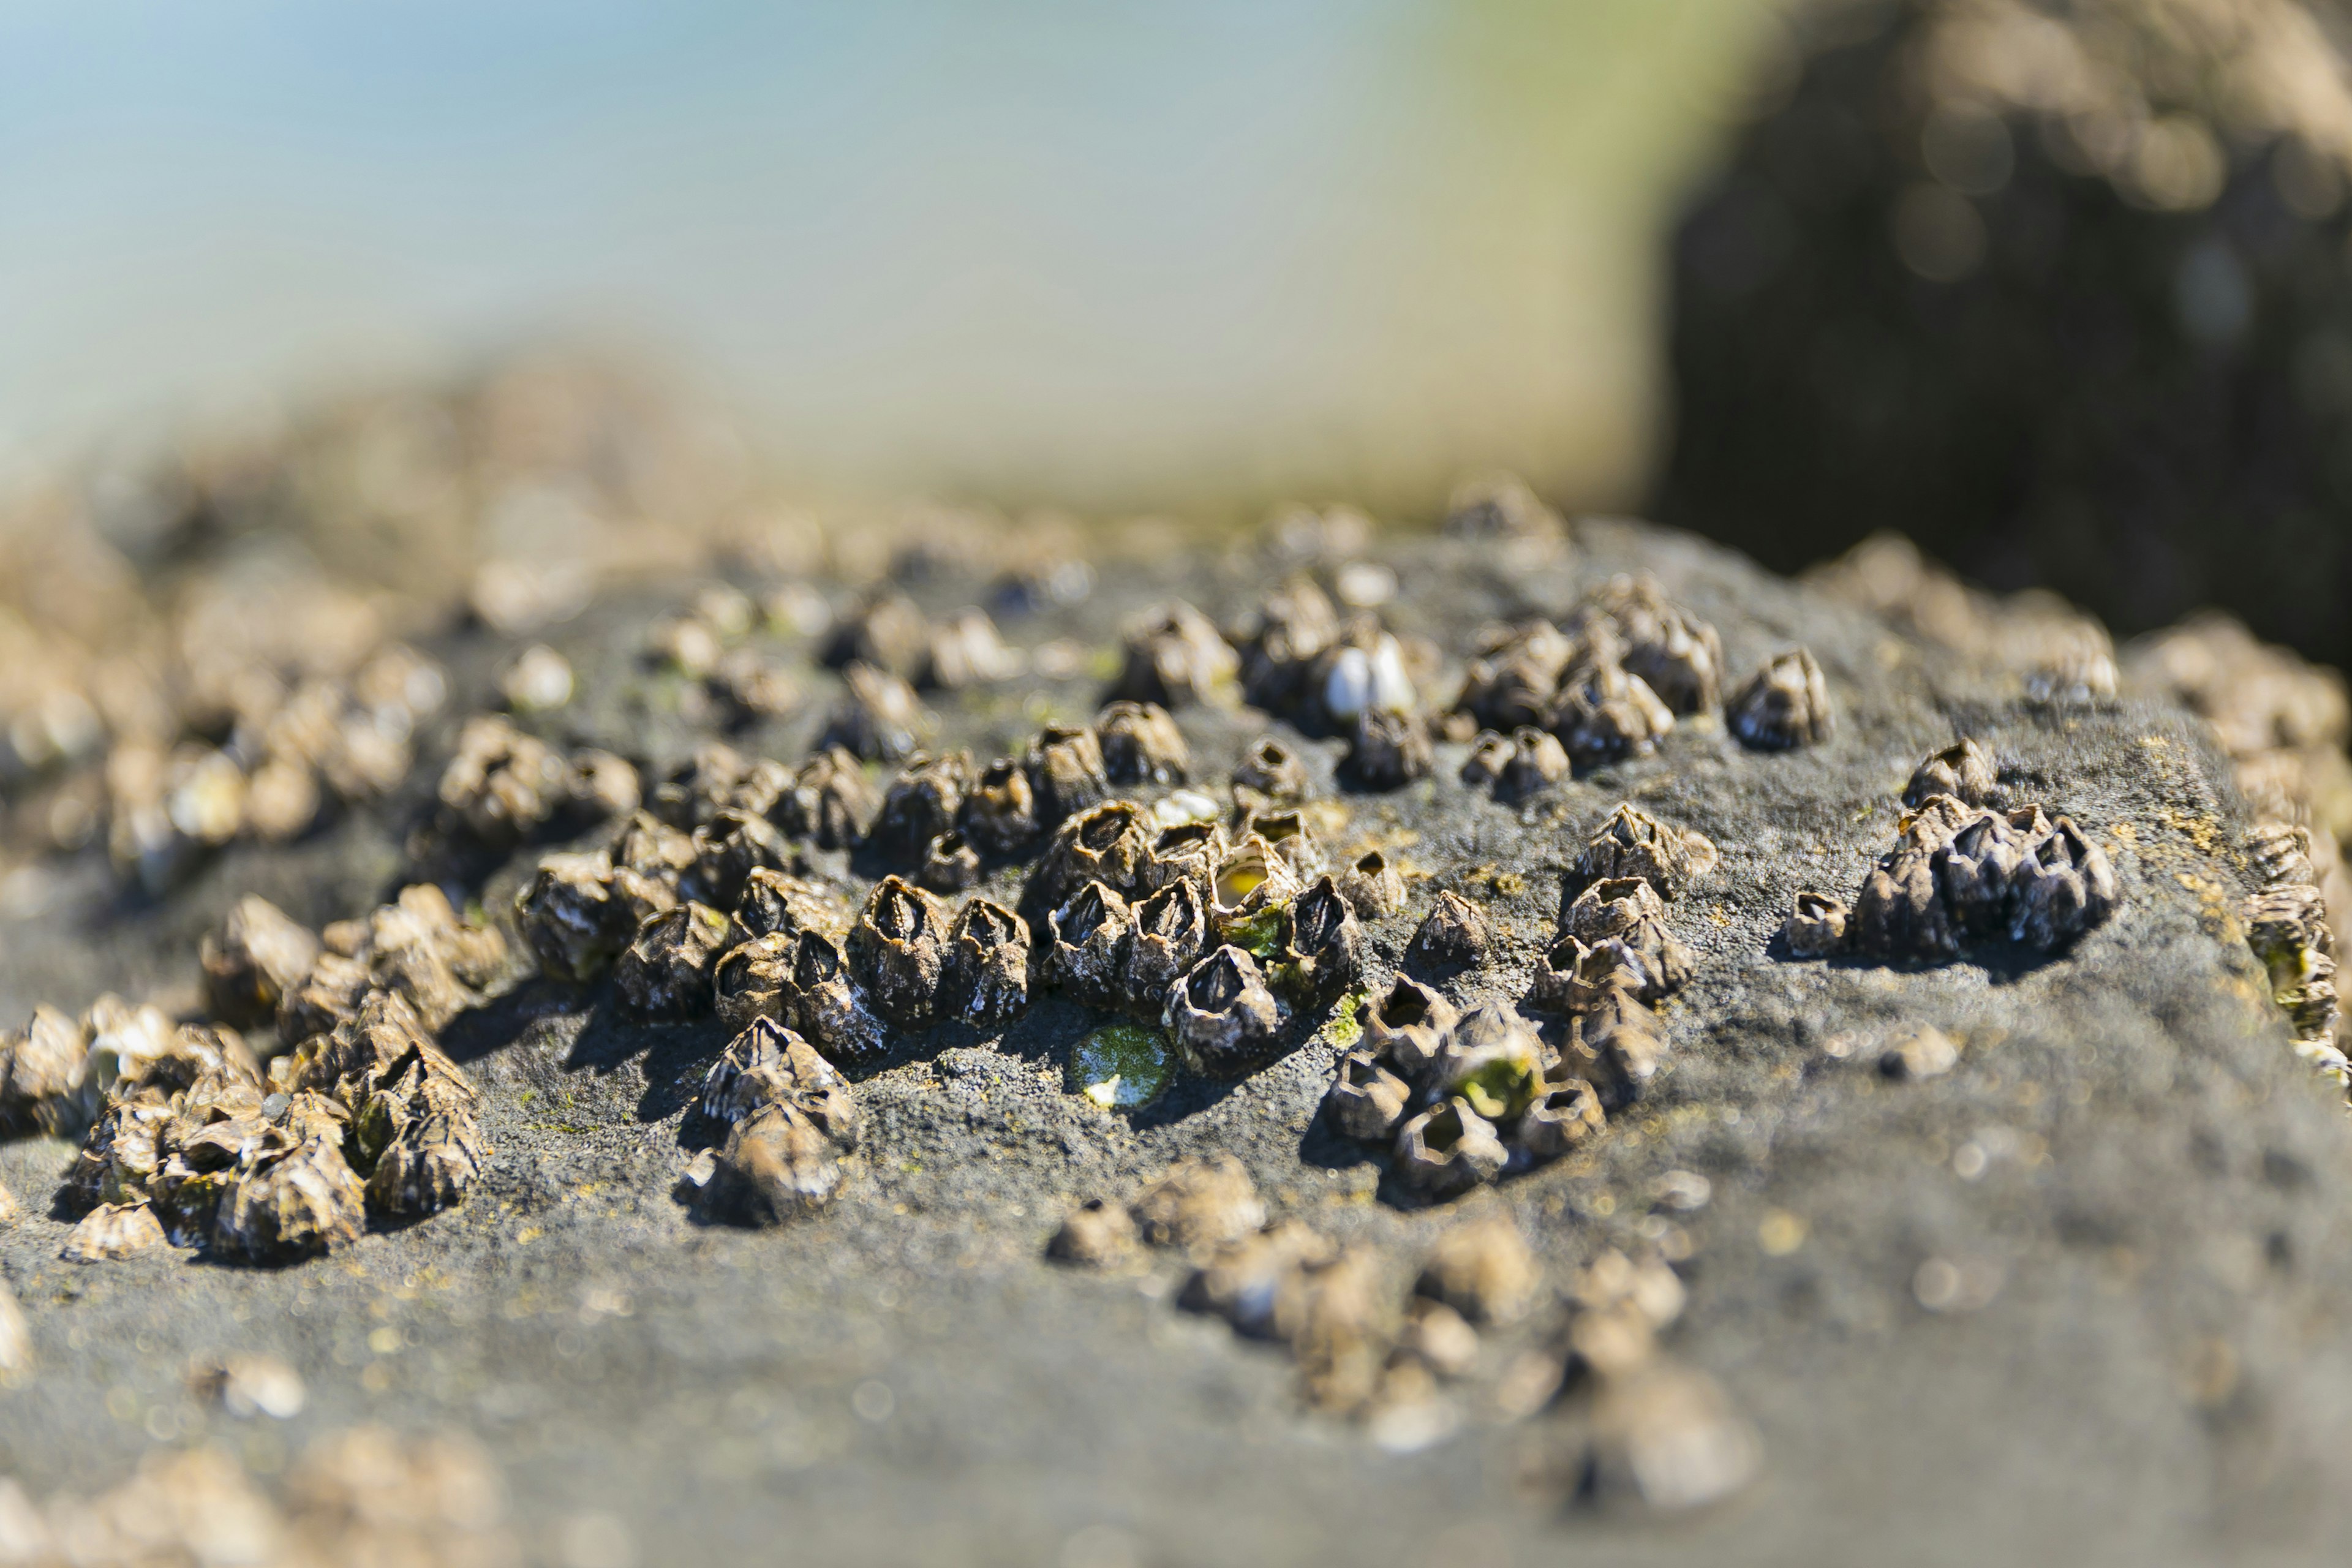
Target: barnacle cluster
(1962,875)
(2288,925)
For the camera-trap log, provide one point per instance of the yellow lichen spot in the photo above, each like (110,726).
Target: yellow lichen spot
(2123,833)
(1717,913)
(528,1235)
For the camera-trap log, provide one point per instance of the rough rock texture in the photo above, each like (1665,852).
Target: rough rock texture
(2078,1293)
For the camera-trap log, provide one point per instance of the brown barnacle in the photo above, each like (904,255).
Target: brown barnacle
(1633,843)
(1900,911)
(1140,744)
(831,1008)
(1514,680)
(1626,911)
(1961,770)
(919,804)
(326,996)
(1065,764)
(1253,888)
(1819,926)
(2063,887)
(437,1152)
(776,902)
(1492,1061)
(1977,871)
(600,786)
(1272,770)
(1536,762)
(897,948)
(1566,1113)
(1624,1038)
(1483,1270)
(1784,705)
(949,865)
(568,916)
(999,813)
(1407,1026)
(1096,1234)
(1387,750)
(666,974)
(2314,1009)
(985,980)
(1222,1016)
(1452,937)
(1189,852)
(1286,833)
(1490,753)
(1366,1100)
(289,1198)
(777,1165)
(967,650)
(652,847)
(1324,953)
(768,1062)
(417,946)
(754,980)
(501,783)
(1108,844)
(42,1070)
(1448,1149)
(830,802)
(886,631)
(1172,656)
(699,788)
(1364,671)
(727,850)
(1199,1205)
(252,961)
(2280,854)
(1679,655)
(119,1155)
(1280,637)
(1087,941)
(1606,714)
(1372,886)
(112,1232)
(875,717)
(1170,929)
(2287,927)
(1244,1278)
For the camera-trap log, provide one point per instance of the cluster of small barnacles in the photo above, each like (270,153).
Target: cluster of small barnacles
(1964,870)
(1462,1098)
(2287,926)
(187,1137)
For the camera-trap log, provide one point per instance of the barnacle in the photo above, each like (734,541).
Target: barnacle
(966,649)
(1606,714)
(1222,1016)
(949,865)
(1675,654)
(1448,1149)
(568,916)
(1065,764)
(776,902)
(2063,887)
(1170,930)
(1566,1113)
(1324,953)
(252,961)
(1199,1205)
(1243,1281)
(830,1007)
(1785,704)
(1633,843)
(767,1063)
(1387,750)
(1450,938)
(1172,656)
(754,980)
(830,801)
(1288,834)
(289,1198)
(1366,1099)
(924,801)
(1961,770)
(1625,916)
(1407,1025)
(1492,1062)
(1483,1268)
(897,948)
(876,716)
(41,1073)
(1109,844)
(1623,1037)
(885,631)
(666,972)
(1363,672)
(1250,898)
(1900,912)
(985,980)
(777,1165)
(114,1231)
(1372,886)
(1189,852)
(1086,945)
(999,813)
(1817,927)
(1140,744)
(1280,638)
(728,849)
(1096,1234)
(1273,770)
(503,782)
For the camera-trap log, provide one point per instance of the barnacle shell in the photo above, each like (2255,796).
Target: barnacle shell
(1387,750)
(1784,704)
(501,783)
(1086,945)
(41,1074)
(1900,911)
(326,996)
(1065,764)
(601,785)
(1817,927)
(1406,1026)
(1325,948)
(252,961)
(778,1165)
(1200,1204)
(1675,654)
(1372,886)
(568,916)
(922,802)
(777,902)
(1490,753)
(1448,1149)
(1273,770)
(1000,813)
(1606,714)
(1366,1099)
(728,849)
(1242,1281)
(289,1200)
(695,793)
(1108,844)
(1624,1039)
(1481,1267)
(1140,744)
(1633,843)
(1567,1113)
(831,1008)
(768,1062)
(897,948)
(1492,1062)
(1450,938)
(1624,913)
(2063,887)
(966,649)
(950,865)
(885,631)
(1536,762)
(429,1164)
(1288,834)
(666,972)
(114,1231)
(1222,1016)
(1170,929)
(1172,656)
(830,802)
(754,980)
(985,981)
(1096,1234)
(1961,770)
(1189,851)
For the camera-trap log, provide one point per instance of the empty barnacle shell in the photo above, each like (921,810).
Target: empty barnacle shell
(897,948)
(1110,844)
(1483,1268)
(1286,833)
(985,980)
(1448,1149)
(769,1062)
(830,801)
(1627,911)
(1065,764)
(2063,887)
(1450,938)
(1140,744)
(1606,714)
(1564,1115)
(968,651)
(754,980)
(1170,929)
(252,961)
(1324,953)
(1633,843)
(1817,927)
(112,1232)
(924,801)
(1372,886)
(1222,1016)
(1273,770)
(1200,1204)
(1492,1062)
(1251,895)
(778,1165)
(1096,1234)
(777,901)
(1406,1026)
(885,631)
(1784,704)
(1172,656)
(876,716)
(1086,945)
(1536,762)
(830,1007)
(1961,770)
(1387,750)
(1366,1099)
(949,865)
(1623,1037)
(1900,911)
(287,1200)
(567,916)
(1189,851)
(728,849)
(666,972)
(999,813)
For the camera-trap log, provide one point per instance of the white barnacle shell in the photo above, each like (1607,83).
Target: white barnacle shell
(1372,678)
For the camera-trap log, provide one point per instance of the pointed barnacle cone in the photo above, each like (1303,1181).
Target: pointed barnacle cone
(429,1164)
(1096,1234)
(652,847)
(1961,770)
(830,802)
(830,1007)
(1172,656)
(777,902)
(119,1155)
(1977,873)
(897,948)
(1106,845)
(2280,854)
(1406,1026)
(2063,887)
(1450,938)
(1564,1115)
(1784,705)
(252,961)
(1633,843)
(1387,750)
(765,1062)
(1189,852)
(923,801)
(417,946)
(1372,886)
(1140,744)
(600,786)
(1000,813)
(966,649)
(2287,928)
(1273,770)
(876,717)
(1366,1100)
(1514,681)
(1278,640)
(1817,927)
(501,783)
(1492,1062)
(754,980)
(1065,764)
(1199,1205)
(112,1232)
(289,1199)
(1490,753)
(728,849)
(1324,954)
(325,997)
(1170,930)
(985,981)
(1678,656)
(1448,1149)
(1224,1019)
(1625,1040)
(1900,911)
(778,1165)
(1624,913)
(949,865)
(1536,762)
(886,631)
(1606,714)
(1286,833)
(1086,945)
(666,972)
(567,916)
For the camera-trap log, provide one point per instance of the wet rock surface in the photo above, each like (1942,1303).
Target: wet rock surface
(2084,1258)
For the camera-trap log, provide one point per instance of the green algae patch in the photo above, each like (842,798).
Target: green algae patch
(1346,1027)
(1121,1066)
(1260,935)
